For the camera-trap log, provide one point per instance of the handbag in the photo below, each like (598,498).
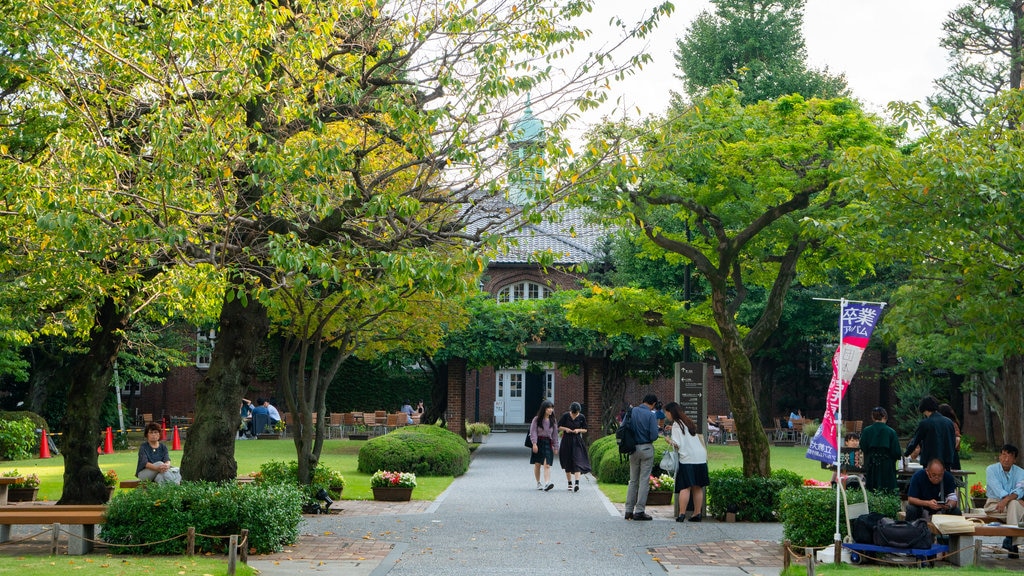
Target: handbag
(669,462)
(529,441)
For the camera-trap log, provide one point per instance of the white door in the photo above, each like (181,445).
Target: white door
(509,387)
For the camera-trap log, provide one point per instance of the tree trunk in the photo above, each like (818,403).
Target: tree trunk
(749,431)
(89,387)
(210,449)
(1011,378)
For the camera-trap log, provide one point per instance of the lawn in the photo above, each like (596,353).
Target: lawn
(120,566)
(341,455)
(793,458)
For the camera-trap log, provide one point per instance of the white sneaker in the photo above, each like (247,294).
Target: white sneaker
(540,486)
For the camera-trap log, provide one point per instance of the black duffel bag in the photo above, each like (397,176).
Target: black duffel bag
(894,534)
(862,527)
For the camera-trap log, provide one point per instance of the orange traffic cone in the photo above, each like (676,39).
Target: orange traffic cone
(163,430)
(44,445)
(108,444)
(176,444)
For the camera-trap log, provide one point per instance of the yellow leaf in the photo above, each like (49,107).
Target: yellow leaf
(227,172)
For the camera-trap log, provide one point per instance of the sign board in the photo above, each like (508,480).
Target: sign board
(691,391)
(499,411)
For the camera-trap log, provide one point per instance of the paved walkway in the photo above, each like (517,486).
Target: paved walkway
(493,520)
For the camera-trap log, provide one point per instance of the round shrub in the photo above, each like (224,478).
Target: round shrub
(288,473)
(422,449)
(17,439)
(159,513)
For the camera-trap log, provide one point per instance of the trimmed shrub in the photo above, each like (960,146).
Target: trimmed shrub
(156,515)
(613,468)
(756,499)
(17,439)
(288,473)
(808,515)
(422,449)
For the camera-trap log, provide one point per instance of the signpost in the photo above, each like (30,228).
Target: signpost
(691,391)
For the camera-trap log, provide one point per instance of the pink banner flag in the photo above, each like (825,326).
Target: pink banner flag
(857,321)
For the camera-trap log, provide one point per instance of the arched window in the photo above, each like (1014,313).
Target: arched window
(523,291)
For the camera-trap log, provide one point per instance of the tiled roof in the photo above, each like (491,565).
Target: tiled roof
(571,239)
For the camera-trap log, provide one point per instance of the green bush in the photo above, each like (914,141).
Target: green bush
(276,472)
(756,499)
(613,468)
(966,447)
(808,515)
(422,449)
(17,439)
(156,515)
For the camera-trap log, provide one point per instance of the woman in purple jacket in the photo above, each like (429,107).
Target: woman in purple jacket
(544,434)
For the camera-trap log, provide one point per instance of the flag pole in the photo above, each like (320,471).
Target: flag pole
(839,427)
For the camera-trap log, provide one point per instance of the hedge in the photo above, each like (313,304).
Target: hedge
(423,449)
(755,499)
(808,515)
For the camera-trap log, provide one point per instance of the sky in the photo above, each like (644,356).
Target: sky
(888,49)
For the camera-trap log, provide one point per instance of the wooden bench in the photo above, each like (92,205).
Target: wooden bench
(129,484)
(80,519)
(969,547)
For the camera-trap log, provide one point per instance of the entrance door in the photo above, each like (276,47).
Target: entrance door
(535,394)
(509,388)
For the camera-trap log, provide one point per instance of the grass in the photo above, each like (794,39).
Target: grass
(341,455)
(793,458)
(880,570)
(120,566)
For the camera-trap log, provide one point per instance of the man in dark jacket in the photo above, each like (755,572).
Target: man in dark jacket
(935,435)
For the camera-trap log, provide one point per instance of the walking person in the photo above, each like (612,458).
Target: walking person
(692,473)
(544,435)
(645,430)
(572,453)
(881,449)
(935,436)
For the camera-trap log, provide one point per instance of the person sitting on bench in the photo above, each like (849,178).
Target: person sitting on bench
(932,491)
(1004,489)
(154,459)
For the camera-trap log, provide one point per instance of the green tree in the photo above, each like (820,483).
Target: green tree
(749,195)
(199,137)
(950,205)
(985,40)
(757,44)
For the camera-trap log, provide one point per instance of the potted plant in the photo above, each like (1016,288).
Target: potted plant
(477,431)
(331,479)
(978,496)
(110,481)
(359,432)
(24,490)
(661,489)
(392,486)
(280,427)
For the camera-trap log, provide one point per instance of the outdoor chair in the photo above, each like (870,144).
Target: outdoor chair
(260,422)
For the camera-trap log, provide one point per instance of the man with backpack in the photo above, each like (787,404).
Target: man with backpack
(644,425)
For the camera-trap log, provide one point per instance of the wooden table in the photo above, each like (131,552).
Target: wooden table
(5,483)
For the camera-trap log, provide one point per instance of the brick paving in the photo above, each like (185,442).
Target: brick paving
(742,553)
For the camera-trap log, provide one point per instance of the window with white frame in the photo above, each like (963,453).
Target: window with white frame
(523,291)
(515,385)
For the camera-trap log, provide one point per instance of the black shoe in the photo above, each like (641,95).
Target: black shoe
(629,515)
(549,487)
(681,518)
(1014,552)
(696,518)
(577,488)
(641,516)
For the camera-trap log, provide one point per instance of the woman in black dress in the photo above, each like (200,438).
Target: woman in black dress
(573,456)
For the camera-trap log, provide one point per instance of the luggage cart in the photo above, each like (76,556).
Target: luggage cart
(857,550)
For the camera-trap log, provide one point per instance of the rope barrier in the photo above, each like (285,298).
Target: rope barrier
(794,554)
(26,538)
(241,544)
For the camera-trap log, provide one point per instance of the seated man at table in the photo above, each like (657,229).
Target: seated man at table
(1004,489)
(932,491)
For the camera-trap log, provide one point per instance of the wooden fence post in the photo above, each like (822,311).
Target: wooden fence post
(54,535)
(232,554)
(244,553)
(785,555)
(190,541)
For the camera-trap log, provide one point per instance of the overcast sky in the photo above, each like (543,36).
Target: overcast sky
(888,49)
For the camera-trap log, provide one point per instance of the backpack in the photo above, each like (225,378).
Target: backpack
(624,436)
(862,528)
(914,535)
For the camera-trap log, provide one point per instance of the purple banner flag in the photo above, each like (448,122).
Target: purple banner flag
(857,321)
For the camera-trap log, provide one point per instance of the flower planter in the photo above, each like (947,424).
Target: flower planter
(110,493)
(22,494)
(392,494)
(659,498)
(358,435)
(978,502)
(273,436)
(335,492)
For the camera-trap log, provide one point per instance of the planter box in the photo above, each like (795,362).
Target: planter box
(358,435)
(977,502)
(274,436)
(110,493)
(22,494)
(659,498)
(392,494)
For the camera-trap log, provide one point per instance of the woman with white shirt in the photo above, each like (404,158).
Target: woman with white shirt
(692,474)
